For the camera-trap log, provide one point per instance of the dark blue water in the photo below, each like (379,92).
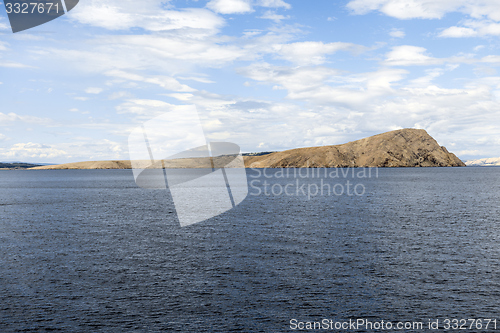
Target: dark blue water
(88,251)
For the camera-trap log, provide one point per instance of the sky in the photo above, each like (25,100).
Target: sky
(265,74)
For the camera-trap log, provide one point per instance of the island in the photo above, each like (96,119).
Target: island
(400,148)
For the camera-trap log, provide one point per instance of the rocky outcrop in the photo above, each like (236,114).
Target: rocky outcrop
(400,148)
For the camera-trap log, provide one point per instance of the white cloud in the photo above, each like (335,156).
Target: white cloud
(270,15)
(458,32)
(146,14)
(11,64)
(230,6)
(201,78)
(473,28)
(3,46)
(143,108)
(77,110)
(244,6)
(274,4)
(165,82)
(408,9)
(322,85)
(30,150)
(492,59)
(313,53)
(12,117)
(160,53)
(293,79)
(119,95)
(93,90)
(408,55)
(3,25)
(397,33)
(485,13)
(426,80)
(82,149)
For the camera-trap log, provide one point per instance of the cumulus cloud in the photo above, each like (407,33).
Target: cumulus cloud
(30,151)
(472,28)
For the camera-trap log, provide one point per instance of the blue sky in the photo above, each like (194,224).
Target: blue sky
(265,74)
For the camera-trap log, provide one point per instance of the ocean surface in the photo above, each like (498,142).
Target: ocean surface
(89,251)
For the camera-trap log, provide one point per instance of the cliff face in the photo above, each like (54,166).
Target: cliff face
(400,148)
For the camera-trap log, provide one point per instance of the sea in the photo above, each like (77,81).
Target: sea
(90,251)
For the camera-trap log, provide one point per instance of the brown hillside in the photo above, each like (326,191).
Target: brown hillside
(400,148)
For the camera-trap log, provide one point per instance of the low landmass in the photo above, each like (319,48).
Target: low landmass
(17,165)
(493,161)
(400,148)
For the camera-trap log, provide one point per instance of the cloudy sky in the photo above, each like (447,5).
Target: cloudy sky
(265,74)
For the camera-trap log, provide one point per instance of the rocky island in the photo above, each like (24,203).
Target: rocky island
(399,148)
